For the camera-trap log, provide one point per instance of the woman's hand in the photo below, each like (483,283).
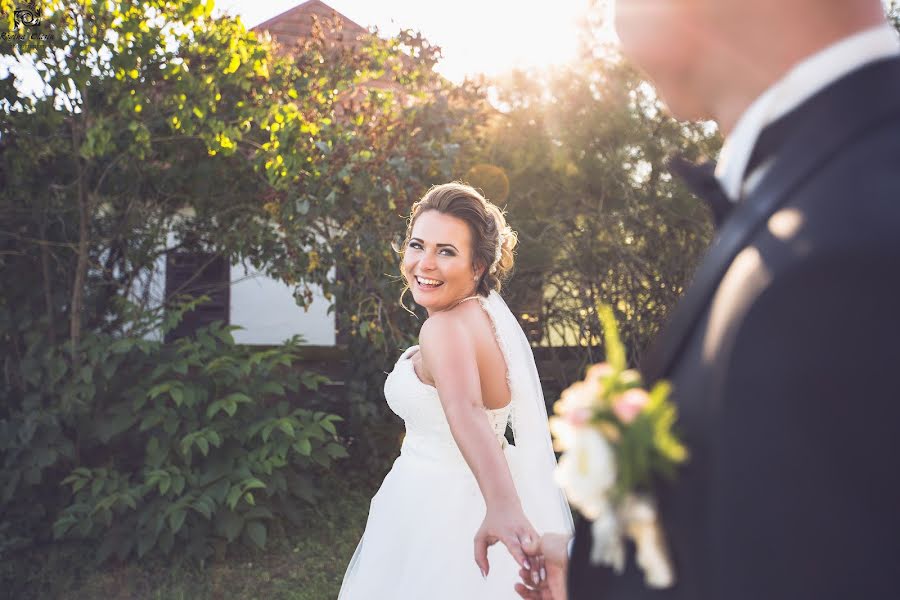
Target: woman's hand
(508,524)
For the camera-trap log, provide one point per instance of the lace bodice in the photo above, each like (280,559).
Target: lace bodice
(417,403)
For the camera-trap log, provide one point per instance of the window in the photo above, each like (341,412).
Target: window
(198,274)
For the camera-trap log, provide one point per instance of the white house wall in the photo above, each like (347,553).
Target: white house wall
(268,313)
(263,306)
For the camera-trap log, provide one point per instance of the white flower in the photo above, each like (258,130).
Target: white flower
(607,547)
(587,471)
(642,525)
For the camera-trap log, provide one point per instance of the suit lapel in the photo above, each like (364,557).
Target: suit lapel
(821,127)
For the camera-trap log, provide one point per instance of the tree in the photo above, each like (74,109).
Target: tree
(601,219)
(893,14)
(159,128)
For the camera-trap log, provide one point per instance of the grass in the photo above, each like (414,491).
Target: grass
(305,563)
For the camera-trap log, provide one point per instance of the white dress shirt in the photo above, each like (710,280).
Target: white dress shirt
(804,80)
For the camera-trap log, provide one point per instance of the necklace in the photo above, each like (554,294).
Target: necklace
(458,302)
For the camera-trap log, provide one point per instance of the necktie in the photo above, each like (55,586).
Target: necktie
(701,180)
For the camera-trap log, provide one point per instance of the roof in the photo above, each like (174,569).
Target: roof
(295,24)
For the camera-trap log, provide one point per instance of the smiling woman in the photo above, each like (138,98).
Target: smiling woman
(452,250)
(458,480)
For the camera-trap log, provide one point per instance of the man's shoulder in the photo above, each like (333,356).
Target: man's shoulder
(839,162)
(859,187)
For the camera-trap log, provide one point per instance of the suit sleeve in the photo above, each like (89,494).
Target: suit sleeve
(805,488)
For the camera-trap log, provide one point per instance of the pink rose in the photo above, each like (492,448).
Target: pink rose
(578,416)
(599,371)
(628,405)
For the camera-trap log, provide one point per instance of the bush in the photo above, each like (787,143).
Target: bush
(148,446)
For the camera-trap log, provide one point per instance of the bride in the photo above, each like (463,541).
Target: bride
(457,480)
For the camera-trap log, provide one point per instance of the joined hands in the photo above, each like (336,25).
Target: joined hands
(550,582)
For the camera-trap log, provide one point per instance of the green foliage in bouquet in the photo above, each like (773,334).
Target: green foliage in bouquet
(638,424)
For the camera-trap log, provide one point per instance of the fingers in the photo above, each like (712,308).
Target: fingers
(534,550)
(526,593)
(530,578)
(530,543)
(481,546)
(515,548)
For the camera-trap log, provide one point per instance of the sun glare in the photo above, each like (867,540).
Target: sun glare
(496,37)
(476,36)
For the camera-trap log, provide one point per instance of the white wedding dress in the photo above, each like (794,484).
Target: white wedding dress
(419,538)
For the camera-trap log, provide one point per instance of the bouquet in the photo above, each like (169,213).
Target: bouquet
(616,439)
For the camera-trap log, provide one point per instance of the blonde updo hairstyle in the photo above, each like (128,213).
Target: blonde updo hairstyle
(493,240)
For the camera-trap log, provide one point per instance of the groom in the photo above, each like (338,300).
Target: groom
(784,353)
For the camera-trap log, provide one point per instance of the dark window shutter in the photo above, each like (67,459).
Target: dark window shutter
(198,274)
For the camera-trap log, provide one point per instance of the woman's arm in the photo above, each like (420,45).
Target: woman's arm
(449,356)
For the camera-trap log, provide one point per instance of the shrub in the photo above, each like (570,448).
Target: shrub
(149,446)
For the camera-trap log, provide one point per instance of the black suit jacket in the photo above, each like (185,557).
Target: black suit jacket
(785,358)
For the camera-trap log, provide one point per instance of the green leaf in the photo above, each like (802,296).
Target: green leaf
(115,424)
(145,543)
(130,499)
(177,395)
(335,450)
(150,421)
(259,512)
(239,398)
(328,426)
(214,438)
(303,446)
(256,531)
(252,484)
(229,524)
(234,495)
(205,506)
(62,525)
(176,520)
(286,427)
(159,389)
(273,387)
(214,408)
(615,350)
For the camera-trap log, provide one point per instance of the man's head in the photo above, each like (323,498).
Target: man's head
(711,58)
(665,39)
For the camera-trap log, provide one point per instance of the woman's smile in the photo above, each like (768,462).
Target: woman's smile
(428,283)
(438,261)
